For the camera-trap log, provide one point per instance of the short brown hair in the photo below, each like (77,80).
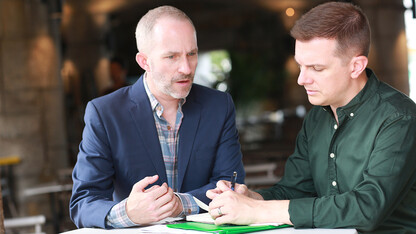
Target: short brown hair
(147,22)
(344,22)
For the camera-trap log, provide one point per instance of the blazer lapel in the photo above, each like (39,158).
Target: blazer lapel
(142,114)
(189,127)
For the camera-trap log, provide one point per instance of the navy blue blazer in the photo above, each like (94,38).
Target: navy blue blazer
(120,146)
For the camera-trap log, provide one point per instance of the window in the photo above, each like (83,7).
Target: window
(410,23)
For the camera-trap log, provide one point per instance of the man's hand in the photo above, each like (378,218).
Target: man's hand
(235,208)
(179,207)
(223,186)
(151,205)
(232,207)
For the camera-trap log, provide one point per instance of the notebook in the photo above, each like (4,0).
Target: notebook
(224,229)
(204,222)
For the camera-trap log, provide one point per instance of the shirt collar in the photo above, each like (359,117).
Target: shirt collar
(154,103)
(368,91)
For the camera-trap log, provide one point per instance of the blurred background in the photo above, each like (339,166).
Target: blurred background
(56,55)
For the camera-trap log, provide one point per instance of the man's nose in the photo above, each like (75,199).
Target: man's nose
(303,78)
(185,66)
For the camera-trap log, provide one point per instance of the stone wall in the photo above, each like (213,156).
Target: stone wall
(31,95)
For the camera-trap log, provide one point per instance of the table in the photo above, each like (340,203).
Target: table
(160,228)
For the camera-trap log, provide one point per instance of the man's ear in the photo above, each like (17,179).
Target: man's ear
(358,65)
(141,59)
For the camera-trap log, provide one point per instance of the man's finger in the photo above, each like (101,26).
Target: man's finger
(142,184)
(224,185)
(221,220)
(163,199)
(214,204)
(151,188)
(158,192)
(166,212)
(167,208)
(241,189)
(212,193)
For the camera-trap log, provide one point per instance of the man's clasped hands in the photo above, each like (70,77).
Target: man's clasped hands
(242,206)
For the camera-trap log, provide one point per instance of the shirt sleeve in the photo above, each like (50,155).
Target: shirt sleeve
(118,218)
(188,204)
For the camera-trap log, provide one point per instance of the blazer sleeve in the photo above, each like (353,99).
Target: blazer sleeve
(92,175)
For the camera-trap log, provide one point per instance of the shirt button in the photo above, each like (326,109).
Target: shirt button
(352,114)
(334,183)
(335,126)
(332,155)
(169,128)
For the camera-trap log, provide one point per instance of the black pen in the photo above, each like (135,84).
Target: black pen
(233,179)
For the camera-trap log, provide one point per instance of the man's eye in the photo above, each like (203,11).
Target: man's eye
(318,69)
(171,57)
(191,54)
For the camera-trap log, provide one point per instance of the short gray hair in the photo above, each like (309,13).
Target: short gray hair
(147,22)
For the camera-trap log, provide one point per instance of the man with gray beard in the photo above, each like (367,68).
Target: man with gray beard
(149,148)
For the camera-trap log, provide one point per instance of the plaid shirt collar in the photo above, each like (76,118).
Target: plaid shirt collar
(154,103)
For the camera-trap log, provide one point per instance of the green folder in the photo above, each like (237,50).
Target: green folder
(224,229)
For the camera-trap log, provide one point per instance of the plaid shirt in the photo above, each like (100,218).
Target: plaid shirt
(168,138)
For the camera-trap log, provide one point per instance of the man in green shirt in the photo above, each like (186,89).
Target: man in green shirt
(355,156)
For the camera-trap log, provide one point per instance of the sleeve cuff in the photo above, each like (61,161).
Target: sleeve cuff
(301,212)
(118,218)
(188,204)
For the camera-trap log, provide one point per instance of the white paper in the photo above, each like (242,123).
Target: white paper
(201,204)
(202,218)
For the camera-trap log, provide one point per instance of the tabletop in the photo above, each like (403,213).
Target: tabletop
(163,229)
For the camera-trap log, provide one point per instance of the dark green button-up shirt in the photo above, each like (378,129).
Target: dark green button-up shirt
(360,173)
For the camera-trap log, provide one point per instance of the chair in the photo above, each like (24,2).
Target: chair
(36,221)
(260,174)
(13,223)
(7,164)
(1,213)
(56,191)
